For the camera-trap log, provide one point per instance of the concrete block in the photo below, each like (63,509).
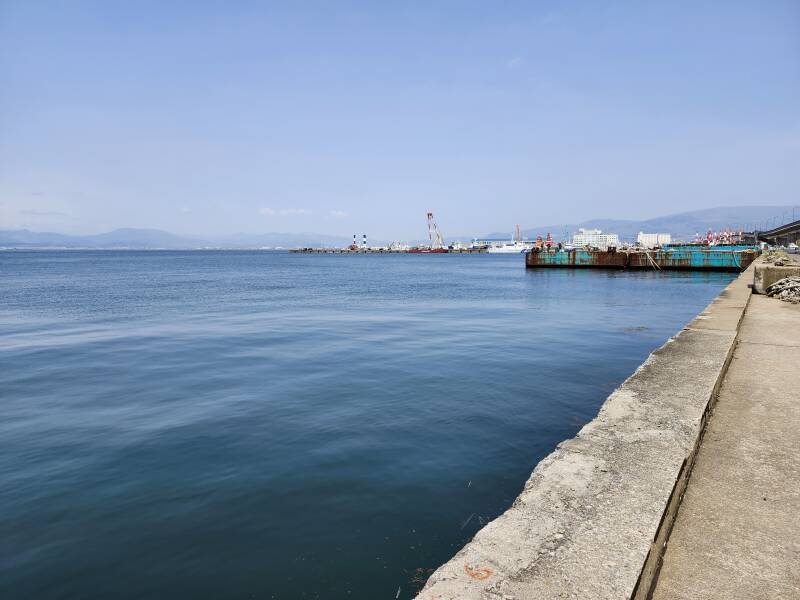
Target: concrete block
(764,275)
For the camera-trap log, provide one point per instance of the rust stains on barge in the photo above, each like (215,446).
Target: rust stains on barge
(677,259)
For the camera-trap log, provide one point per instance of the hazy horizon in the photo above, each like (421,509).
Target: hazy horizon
(771,218)
(205,120)
(681,225)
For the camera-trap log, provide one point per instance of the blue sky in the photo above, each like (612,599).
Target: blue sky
(216,117)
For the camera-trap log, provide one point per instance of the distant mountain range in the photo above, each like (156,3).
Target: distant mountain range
(157,239)
(681,226)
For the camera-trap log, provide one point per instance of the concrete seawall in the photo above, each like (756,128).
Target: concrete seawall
(592,520)
(766,274)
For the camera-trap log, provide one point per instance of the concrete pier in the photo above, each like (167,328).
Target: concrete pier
(360,250)
(737,534)
(595,516)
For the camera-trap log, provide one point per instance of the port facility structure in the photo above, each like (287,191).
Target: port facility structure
(789,233)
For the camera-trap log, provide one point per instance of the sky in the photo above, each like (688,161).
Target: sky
(212,118)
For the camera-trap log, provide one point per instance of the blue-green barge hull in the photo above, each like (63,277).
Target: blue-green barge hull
(679,259)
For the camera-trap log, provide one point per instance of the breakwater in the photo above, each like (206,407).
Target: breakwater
(593,518)
(387,251)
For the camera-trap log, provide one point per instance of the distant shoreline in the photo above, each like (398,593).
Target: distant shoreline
(137,248)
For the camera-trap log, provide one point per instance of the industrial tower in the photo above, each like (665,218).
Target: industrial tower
(434,235)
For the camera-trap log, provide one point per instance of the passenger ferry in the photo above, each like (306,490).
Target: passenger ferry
(512,247)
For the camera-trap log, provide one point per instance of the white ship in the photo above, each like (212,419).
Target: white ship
(513,247)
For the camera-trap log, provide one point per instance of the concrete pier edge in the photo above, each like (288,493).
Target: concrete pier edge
(736,533)
(652,566)
(595,516)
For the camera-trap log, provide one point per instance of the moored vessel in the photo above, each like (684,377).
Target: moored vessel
(428,251)
(513,247)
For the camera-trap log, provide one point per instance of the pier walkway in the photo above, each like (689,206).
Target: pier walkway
(737,531)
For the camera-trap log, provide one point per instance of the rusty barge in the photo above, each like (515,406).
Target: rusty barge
(682,258)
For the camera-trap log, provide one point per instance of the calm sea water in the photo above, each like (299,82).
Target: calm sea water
(270,425)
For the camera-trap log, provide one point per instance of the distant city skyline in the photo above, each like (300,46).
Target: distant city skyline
(206,119)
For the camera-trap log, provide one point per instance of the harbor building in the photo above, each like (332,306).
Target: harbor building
(595,238)
(651,240)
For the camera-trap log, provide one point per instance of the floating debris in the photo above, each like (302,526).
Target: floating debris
(420,578)
(786,289)
(465,523)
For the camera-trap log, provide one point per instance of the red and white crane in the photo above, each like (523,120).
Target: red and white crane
(434,235)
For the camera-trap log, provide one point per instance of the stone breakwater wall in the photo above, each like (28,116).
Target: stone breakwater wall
(593,519)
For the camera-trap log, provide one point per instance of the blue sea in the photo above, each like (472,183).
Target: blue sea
(274,425)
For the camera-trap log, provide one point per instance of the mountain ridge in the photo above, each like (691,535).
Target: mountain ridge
(134,238)
(680,225)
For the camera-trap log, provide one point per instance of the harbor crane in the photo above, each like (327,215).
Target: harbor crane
(434,235)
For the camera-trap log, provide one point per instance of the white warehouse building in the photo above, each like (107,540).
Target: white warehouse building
(595,238)
(651,240)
